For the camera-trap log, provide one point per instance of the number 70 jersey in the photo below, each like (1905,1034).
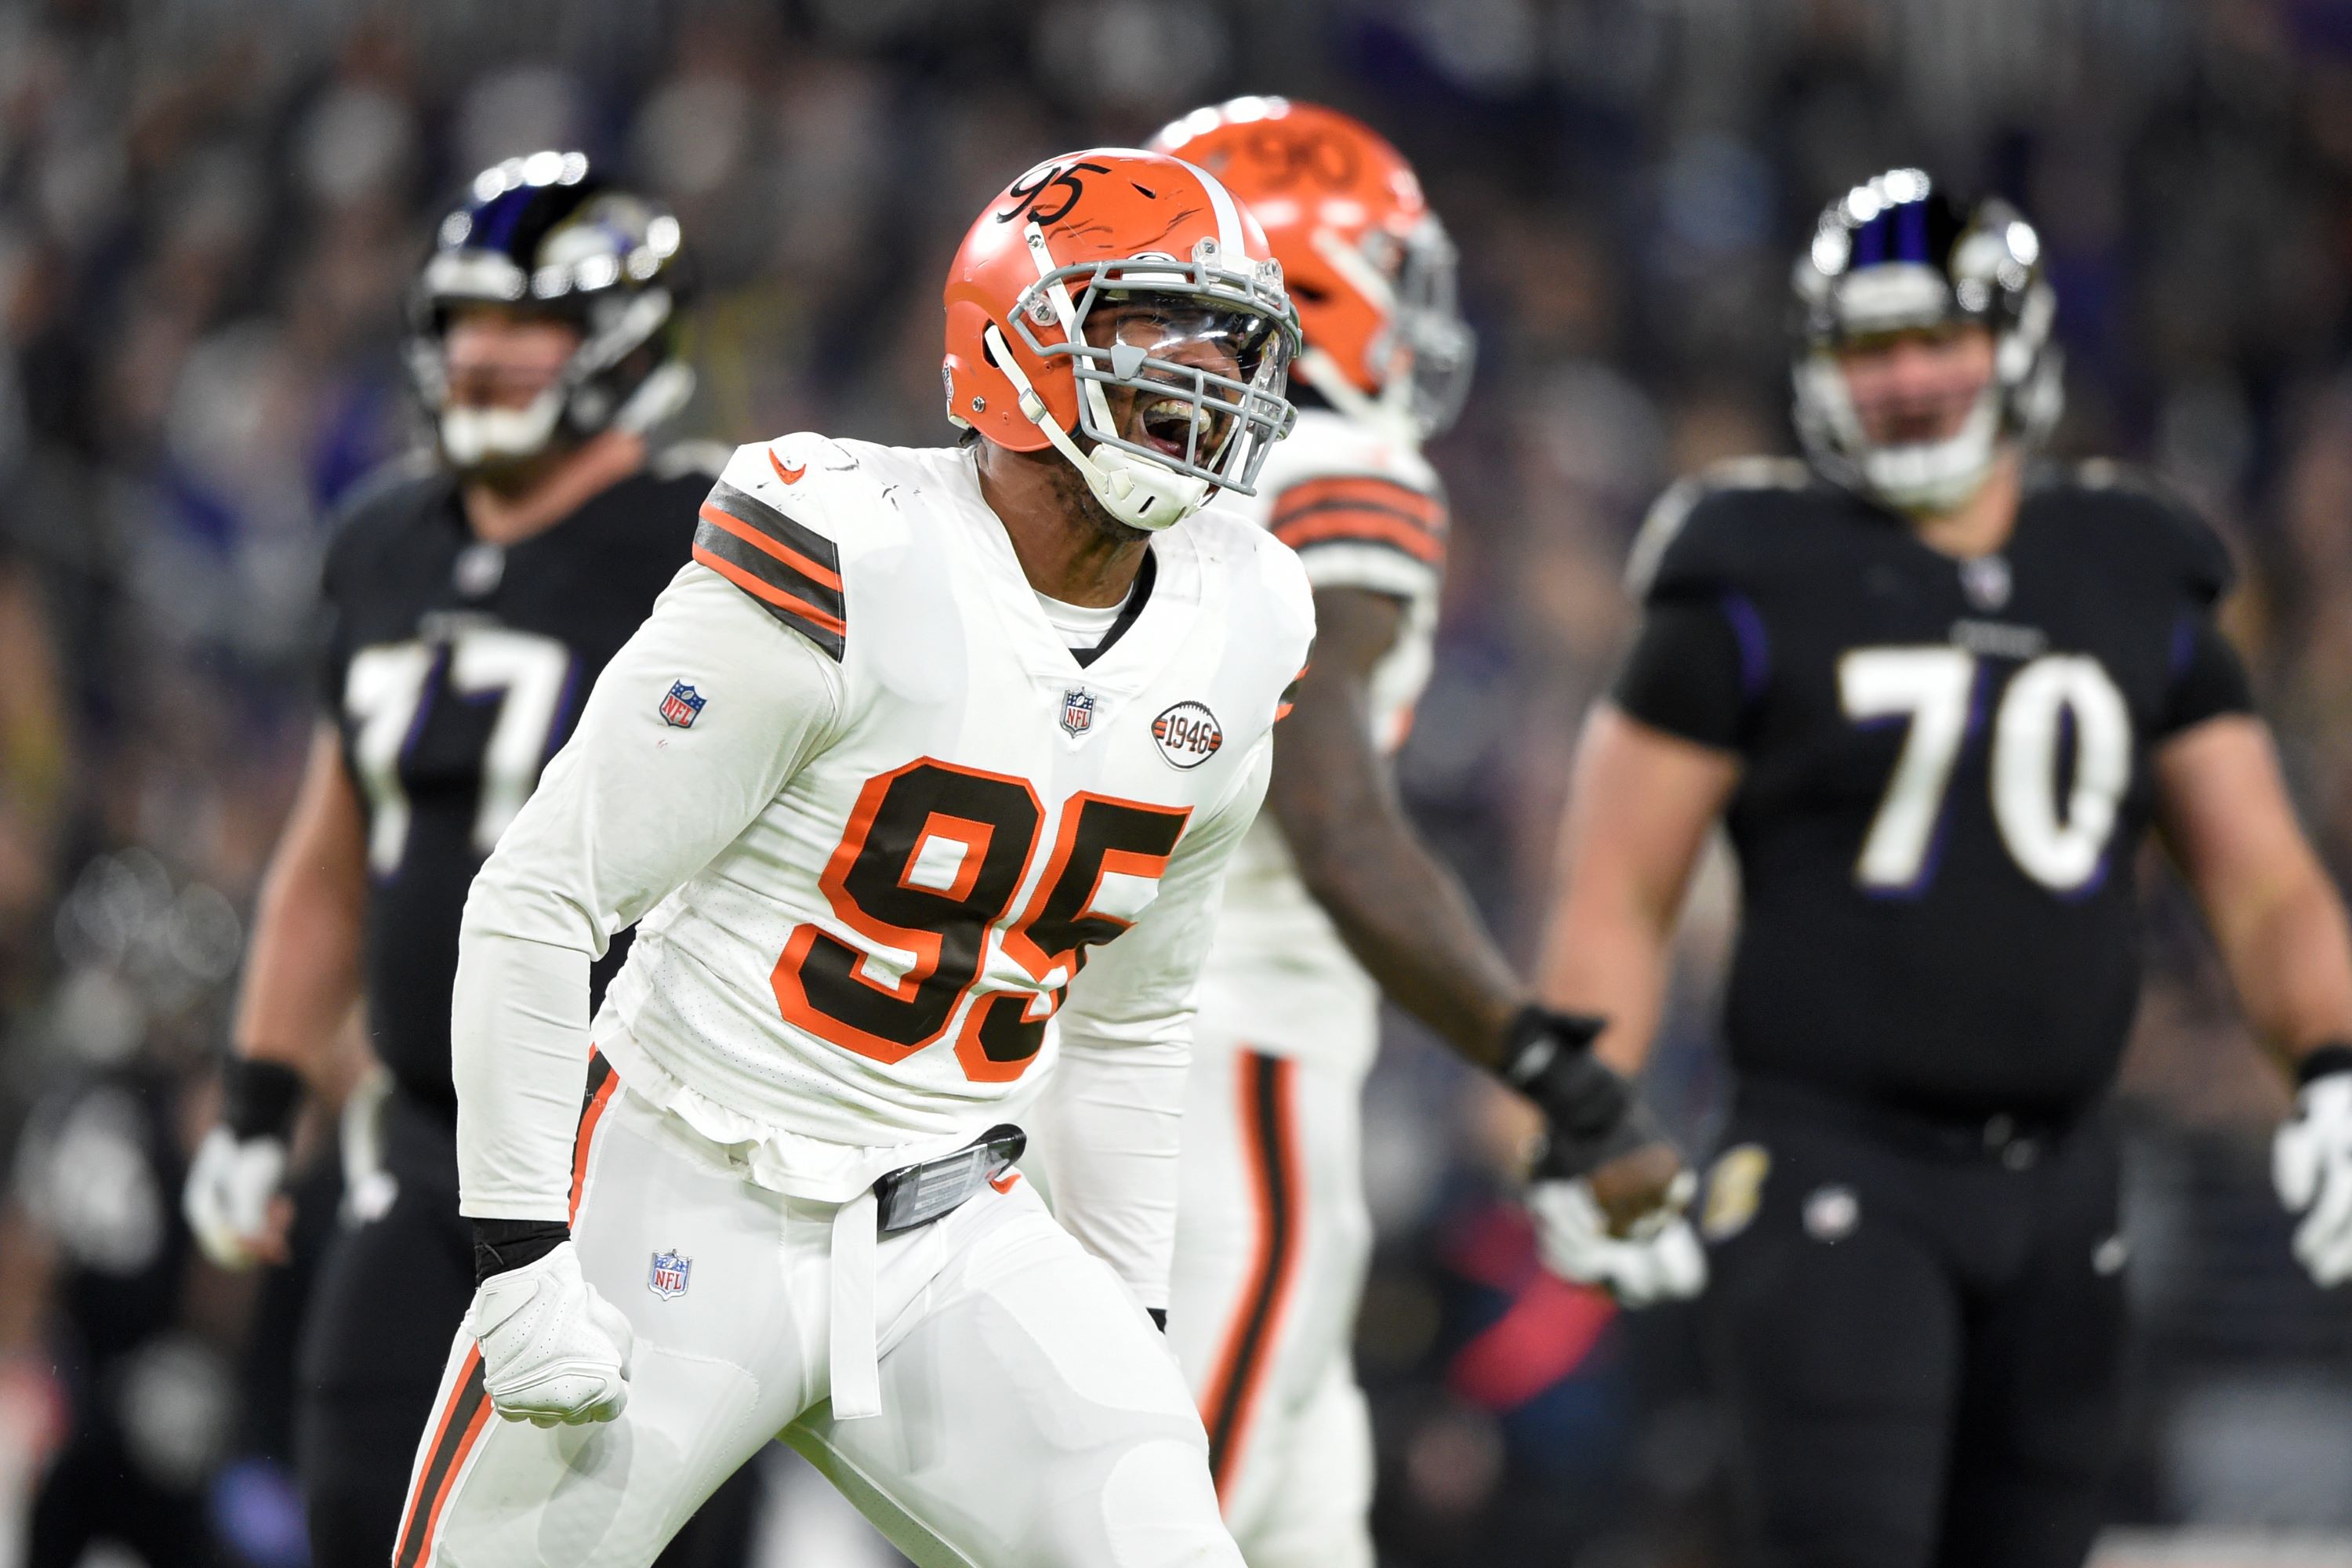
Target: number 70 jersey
(1946,769)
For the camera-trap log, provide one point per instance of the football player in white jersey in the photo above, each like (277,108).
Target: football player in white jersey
(915,731)
(1273,1235)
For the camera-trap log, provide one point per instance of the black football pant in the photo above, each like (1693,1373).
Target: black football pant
(1919,1330)
(390,1295)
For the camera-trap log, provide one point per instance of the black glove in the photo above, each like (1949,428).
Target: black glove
(1590,1114)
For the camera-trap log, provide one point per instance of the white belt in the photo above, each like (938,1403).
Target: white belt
(905,1199)
(857,1370)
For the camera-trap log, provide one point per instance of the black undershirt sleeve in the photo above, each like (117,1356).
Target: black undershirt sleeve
(2208,679)
(1685,675)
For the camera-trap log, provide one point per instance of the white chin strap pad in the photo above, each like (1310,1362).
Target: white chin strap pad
(1936,476)
(470,437)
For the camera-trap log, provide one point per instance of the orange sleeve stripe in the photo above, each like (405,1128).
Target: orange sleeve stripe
(783,553)
(1362,528)
(585,1140)
(1384,495)
(776,596)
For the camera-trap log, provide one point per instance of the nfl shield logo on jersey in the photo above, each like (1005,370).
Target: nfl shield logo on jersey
(667,1278)
(1077,710)
(682,705)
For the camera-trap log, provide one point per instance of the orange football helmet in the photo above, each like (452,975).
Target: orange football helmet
(1369,266)
(1116,268)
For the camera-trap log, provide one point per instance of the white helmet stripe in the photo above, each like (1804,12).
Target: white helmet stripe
(1229,217)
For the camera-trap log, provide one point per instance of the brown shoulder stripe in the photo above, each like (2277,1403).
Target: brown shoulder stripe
(1362,511)
(793,571)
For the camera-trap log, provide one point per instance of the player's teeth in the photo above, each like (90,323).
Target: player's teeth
(1178,412)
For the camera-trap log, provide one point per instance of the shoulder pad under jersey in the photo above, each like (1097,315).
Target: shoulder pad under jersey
(378,506)
(1335,488)
(680,459)
(1702,533)
(2193,549)
(770,526)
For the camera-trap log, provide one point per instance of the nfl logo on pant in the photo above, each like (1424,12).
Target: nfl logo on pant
(682,706)
(667,1278)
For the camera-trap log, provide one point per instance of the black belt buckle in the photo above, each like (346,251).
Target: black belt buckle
(916,1195)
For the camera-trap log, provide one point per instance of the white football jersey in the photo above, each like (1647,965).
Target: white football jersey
(874,814)
(1363,510)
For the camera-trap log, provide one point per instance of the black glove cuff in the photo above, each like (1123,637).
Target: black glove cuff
(500,1245)
(1548,1057)
(1592,1115)
(259,1098)
(2329,1059)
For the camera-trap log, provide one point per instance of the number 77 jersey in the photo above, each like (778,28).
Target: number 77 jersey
(453,669)
(898,817)
(1948,768)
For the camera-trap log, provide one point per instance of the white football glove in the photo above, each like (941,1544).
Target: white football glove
(1662,1260)
(2310,1163)
(228,1199)
(552,1349)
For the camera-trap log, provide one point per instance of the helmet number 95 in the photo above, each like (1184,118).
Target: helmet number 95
(1052,177)
(2060,843)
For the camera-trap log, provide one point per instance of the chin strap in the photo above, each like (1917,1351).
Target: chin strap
(474,436)
(1938,476)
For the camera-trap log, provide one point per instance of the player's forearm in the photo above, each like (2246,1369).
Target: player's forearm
(1611,959)
(1404,916)
(1408,922)
(1109,1129)
(519,1058)
(2290,959)
(302,972)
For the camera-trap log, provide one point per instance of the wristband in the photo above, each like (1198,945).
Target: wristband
(259,1098)
(2328,1060)
(1592,1115)
(1548,1057)
(500,1245)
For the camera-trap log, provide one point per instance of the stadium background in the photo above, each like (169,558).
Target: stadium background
(208,209)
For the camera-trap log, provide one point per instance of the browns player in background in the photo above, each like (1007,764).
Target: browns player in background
(1334,888)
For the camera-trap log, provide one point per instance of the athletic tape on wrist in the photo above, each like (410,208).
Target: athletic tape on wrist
(259,1098)
(503,1245)
(2329,1059)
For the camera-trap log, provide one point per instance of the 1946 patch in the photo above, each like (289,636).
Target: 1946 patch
(1188,734)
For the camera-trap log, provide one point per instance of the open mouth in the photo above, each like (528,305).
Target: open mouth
(1166,425)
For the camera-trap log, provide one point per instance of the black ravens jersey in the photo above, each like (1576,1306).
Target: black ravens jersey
(1946,769)
(456,669)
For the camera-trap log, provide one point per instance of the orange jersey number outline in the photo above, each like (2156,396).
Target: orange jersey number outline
(878,884)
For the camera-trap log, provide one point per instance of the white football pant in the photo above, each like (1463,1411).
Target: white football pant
(1032,1416)
(1271,1242)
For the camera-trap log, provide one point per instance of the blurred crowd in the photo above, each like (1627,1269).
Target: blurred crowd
(209,210)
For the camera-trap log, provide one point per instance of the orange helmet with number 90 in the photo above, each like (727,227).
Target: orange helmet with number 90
(1369,266)
(1119,272)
